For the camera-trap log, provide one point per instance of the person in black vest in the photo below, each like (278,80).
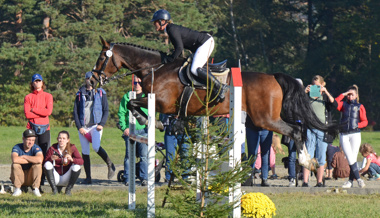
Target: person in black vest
(354,118)
(201,44)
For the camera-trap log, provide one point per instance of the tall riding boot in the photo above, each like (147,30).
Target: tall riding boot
(50,178)
(87,169)
(219,89)
(111,167)
(73,178)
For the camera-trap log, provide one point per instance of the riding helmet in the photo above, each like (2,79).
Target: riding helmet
(161,15)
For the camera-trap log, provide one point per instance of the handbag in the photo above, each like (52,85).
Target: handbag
(285,140)
(39,129)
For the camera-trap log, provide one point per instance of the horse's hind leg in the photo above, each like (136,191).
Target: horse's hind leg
(294,132)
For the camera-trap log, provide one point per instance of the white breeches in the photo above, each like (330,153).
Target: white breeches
(350,144)
(65,178)
(96,137)
(201,55)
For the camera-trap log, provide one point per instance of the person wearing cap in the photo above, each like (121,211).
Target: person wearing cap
(90,114)
(38,106)
(201,44)
(26,169)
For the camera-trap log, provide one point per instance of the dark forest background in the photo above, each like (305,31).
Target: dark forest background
(337,39)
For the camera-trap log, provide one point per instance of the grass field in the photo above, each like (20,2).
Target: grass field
(115,204)
(111,203)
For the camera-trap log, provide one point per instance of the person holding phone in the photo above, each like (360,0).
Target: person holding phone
(322,102)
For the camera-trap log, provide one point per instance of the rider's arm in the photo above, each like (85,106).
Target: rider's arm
(176,39)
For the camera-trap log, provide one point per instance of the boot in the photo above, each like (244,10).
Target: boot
(218,90)
(111,167)
(87,169)
(50,178)
(73,178)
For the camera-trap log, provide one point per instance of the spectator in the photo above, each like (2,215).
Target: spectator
(353,118)
(331,150)
(38,106)
(340,165)
(322,103)
(259,137)
(90,114)
(26,167)
(141,148)
(62,164)
(373,161)
(174,136)
(274,149)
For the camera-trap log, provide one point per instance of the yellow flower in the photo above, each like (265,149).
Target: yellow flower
(257,205)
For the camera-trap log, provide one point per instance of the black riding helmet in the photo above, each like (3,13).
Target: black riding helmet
(161,15)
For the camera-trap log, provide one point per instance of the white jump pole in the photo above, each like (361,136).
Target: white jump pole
(236,135)
(150,141)
(132,159)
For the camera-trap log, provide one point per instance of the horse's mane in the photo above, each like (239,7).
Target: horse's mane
(137,46)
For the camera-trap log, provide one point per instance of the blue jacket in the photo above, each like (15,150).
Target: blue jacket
(100,107)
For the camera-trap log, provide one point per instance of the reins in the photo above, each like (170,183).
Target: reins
(103,81)
(107,80)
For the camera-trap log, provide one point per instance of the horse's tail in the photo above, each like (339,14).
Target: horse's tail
(296,106)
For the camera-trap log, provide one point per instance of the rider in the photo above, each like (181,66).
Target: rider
(201,44)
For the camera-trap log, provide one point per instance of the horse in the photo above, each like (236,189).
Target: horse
(265,97)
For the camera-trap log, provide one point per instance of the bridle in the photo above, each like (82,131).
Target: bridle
(103,79)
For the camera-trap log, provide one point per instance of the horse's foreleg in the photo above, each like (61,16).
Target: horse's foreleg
(135,107)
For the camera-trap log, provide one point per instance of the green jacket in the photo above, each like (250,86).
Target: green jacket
(124,114)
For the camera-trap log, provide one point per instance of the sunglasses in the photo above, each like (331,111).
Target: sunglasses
(137,83)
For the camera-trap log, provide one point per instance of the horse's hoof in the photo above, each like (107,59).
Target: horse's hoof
(159,125)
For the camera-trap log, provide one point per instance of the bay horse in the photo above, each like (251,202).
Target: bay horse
(264,97)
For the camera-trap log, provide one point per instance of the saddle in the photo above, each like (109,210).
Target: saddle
(191,82)
(219,70)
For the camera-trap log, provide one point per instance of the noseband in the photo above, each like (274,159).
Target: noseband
(103,79)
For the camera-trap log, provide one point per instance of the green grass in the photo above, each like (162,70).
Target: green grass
(112,142)
(113,203)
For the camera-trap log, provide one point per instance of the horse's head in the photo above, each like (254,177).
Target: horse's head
(106,65)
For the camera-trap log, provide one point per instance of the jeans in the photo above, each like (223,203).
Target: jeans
(316,146)
(264,139)
(171,142)
(141,152)
(292,149)
(374,169)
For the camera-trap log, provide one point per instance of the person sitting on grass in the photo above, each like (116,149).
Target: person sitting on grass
(27,160)
(373,161)
(62,164)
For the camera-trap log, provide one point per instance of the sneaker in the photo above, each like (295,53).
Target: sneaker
(126,183)
(17,192)
(361,183)
(292,182)
(347,184)
(144,183)
(377,177)
(305,184)
(36,192)
(319,185)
